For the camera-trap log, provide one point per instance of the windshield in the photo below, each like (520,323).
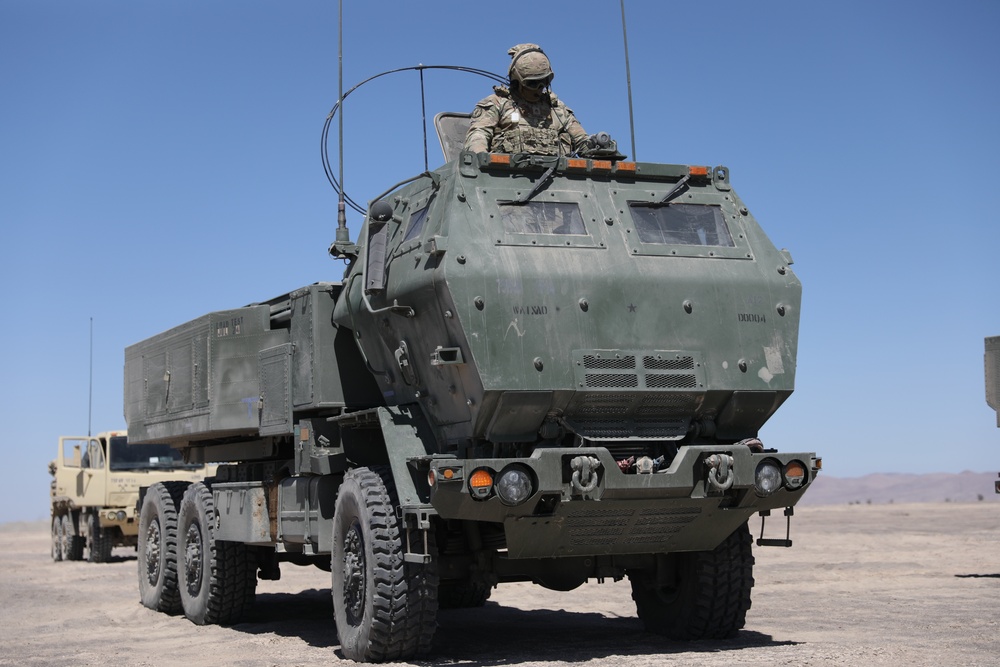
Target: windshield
(132,457)
(542,218)
(681,224)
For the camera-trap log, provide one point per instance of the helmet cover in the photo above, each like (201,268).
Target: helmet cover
(529,63)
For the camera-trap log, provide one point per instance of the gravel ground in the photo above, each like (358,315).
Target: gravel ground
(897,584)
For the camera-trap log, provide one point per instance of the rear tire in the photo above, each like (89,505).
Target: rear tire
(709,596)
(72,542)
(217,579)
(156,551)
(462,595)
(57,539)
(384,608)
(99,541)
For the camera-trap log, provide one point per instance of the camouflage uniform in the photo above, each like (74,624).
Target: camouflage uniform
(505,122)
(527,117)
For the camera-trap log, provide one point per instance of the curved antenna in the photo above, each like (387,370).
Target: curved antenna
(325,137)
(628,79)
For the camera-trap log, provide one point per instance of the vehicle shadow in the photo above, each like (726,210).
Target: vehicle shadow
(485,636)
(116,558)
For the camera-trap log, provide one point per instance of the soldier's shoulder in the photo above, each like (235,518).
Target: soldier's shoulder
(556,102)
(494,100)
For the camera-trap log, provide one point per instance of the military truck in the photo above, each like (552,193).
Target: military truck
(95,488)
(535,369)
(991,361)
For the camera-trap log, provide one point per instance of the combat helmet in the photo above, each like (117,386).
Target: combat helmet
(529,64)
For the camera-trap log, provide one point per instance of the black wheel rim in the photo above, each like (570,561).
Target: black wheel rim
(192,560)
(153,552)
(354,574)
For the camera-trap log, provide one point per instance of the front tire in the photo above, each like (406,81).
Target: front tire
(384,607)
(708,597)
(217,578)
(156,551)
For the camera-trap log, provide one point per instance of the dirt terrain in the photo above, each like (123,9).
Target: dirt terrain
(893,584)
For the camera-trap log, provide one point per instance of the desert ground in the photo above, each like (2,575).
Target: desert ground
(864,584)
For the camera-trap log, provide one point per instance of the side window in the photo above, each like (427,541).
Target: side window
(416,224)
(94,458)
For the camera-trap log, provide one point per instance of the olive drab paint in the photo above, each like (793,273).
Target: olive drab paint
(557,368)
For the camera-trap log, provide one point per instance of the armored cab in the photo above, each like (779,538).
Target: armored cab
(535,368)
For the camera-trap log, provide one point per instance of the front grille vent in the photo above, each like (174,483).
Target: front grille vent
(627,527)
(611,369)
(593,361)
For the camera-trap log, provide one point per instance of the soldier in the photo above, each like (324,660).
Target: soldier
(527,117)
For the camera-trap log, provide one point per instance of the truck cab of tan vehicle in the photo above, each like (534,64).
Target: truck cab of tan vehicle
(95,488)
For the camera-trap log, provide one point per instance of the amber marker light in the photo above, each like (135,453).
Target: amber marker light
(698,171)
(628,167)
(795,474)
(602,165)
(500,158)
(441,474)
(481,484)
(576,163)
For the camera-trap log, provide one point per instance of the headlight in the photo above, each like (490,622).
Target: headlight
(767,479)
(514,485)
(795,475)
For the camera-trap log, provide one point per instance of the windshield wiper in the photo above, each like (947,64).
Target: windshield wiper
(674,191)
(541,183)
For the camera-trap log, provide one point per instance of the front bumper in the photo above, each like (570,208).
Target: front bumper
(675,509)
(121,517)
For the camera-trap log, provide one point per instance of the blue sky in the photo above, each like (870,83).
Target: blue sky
(160,160)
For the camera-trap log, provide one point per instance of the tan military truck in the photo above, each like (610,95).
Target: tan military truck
(95,489)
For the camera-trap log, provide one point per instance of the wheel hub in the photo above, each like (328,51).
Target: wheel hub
(192,560)
(354,574)
(153,552)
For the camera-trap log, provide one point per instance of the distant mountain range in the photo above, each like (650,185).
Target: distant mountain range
(884,488)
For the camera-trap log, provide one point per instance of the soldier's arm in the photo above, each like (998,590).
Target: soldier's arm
(485,118)
(578,136)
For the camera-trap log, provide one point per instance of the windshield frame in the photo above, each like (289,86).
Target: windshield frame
(500,197)
(649,193)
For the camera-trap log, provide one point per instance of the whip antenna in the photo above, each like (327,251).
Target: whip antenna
(628,79)
(343,235)
(90,398)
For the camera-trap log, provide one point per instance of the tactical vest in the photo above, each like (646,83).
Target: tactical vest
(530,128)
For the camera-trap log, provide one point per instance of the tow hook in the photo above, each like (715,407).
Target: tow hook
(720,471)
(584,474)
